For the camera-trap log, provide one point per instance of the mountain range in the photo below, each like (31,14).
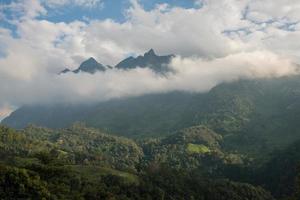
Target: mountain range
(239,140)
(150,60)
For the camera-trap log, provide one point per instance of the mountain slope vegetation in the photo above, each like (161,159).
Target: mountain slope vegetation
(251,115)
(83,163)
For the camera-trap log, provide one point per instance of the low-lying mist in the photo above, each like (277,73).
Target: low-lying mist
(217,42)
(187,74)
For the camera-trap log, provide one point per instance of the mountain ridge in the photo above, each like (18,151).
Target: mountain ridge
(90,65)
(149,60)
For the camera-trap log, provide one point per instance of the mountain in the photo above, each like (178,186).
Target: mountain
(89,66)
(136,116)
(254,113)
(253,116)
(149,59)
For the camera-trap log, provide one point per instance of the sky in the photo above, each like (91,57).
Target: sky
(214,41)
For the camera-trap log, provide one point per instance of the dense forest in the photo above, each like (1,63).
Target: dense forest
(240,140)
(193,163)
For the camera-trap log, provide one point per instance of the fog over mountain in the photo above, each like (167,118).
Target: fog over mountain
(160,99)
(214,42)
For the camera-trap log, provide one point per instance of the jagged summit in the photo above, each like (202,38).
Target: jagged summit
(90,60)
(89,66)
(151,52)
(149,59)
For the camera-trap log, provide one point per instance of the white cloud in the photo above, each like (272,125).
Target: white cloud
(24,9)
(82,3)
(215,44)
(287,10)
(192,74)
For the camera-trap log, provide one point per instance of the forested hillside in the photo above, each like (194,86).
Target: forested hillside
(256,116)
(236,141)
(83,163)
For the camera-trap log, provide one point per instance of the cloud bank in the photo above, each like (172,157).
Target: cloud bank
(216,42)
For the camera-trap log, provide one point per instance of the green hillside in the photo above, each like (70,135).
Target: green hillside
(83,163)
(238,139)
(243,111)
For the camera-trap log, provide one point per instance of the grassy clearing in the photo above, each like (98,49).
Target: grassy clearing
(197,148)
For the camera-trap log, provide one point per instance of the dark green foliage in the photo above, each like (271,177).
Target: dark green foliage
(196,147)
(166,183)
(40,163)
(52,182)
(195,135)
(76,145)
(279,175)
(296,194)
(18,183)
